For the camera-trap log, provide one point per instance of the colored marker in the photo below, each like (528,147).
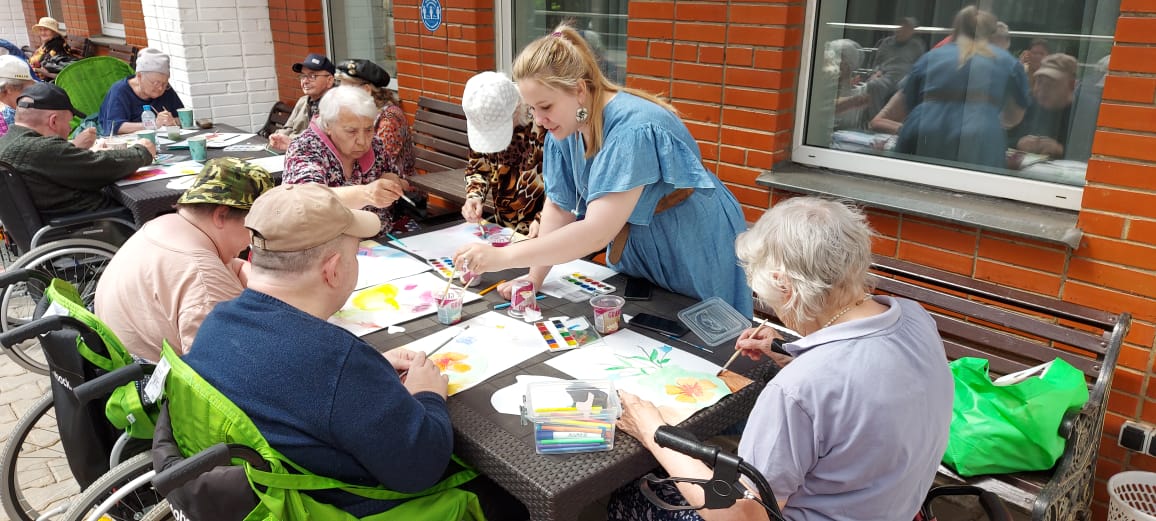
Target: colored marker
(576,437)
(395,239)
(505,305)
(696,346)
(573,441)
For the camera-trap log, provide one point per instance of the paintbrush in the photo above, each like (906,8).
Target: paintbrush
(438,348)
(450,282)
(755,334)
(482,227)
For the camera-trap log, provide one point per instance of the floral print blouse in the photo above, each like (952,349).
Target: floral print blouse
(312,158)
(393,129)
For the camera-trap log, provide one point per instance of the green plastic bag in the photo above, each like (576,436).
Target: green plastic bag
(1010,425)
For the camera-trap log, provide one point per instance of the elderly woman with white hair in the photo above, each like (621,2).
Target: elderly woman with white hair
(339,149)
(15,76)
(857,423)
(120,112)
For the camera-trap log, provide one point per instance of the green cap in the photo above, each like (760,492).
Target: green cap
(228,181)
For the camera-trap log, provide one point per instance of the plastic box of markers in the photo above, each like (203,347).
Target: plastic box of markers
(571,415)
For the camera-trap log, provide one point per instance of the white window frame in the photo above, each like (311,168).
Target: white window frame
(57,13)
(956,179)
(327,28)
(108,28)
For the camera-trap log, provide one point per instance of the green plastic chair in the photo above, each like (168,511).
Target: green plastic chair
(87,82)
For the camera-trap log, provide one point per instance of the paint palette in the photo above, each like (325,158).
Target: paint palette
(442,265)
(588,285)
(561,334)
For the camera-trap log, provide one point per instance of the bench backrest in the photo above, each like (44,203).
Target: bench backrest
(81,46)
(124,52)
(439,129)
(1011,328)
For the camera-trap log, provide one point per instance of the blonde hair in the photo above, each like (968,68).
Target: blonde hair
(972,29)
(561,61)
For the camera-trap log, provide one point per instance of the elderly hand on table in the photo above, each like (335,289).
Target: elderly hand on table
(384,191)
(85,138)
(639,418)
(755,344)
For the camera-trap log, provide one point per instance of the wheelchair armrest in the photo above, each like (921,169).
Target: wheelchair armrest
(10,277)
(190,468)
(104,385)
(96,215)
(32,329)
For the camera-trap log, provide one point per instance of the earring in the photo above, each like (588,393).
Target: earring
(582,114)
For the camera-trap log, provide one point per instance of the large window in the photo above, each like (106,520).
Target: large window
(111,22)
(363,29)
(602,22)
(54,9)
(999,100)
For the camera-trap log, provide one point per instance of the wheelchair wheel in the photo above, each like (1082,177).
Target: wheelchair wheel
(36,477)
(161,512)
(131,507)
(78,261)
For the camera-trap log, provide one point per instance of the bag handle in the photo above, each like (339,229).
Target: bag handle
(992,505)
(1019,376)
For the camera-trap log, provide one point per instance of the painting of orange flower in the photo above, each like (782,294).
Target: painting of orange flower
(691,390)
(451,362)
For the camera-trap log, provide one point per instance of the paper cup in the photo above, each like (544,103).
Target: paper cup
(186,117)
(607,313)
(500,239)
(450,307)
(197,148)
(173,133)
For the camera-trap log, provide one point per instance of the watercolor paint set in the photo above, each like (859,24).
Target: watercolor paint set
(571,416)
(577,287)
(442,265)
(563,334)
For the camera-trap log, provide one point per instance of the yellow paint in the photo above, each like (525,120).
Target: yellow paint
(377,298)
(691,390)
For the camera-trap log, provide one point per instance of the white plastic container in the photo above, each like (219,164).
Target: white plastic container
(1133,496)
(571,416)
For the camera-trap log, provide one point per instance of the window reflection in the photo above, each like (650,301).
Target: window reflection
(1017,96)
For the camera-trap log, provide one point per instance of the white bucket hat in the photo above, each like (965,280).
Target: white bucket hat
(489,102)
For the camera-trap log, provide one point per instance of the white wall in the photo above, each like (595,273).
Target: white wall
(221,56)
(12,25)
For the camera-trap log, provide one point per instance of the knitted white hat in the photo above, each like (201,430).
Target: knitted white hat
(152,60)
(489,102)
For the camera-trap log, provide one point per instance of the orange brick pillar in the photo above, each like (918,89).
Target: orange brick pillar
(297,31)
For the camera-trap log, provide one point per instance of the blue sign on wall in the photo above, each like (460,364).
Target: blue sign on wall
(431,14)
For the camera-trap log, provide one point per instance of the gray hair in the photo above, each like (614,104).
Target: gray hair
(818,248)
(345,98)
(839,53)
(294,262)
(13,83)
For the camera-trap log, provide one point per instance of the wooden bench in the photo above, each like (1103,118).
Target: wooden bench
(124,52)
(81,46)
(442,150)
(1015,330)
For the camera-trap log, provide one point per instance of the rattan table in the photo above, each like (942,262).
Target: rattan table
(558,487)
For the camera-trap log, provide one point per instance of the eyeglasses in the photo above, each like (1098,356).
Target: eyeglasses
(155,83)
(311,77)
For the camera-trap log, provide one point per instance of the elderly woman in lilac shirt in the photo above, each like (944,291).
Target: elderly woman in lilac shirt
(340,150)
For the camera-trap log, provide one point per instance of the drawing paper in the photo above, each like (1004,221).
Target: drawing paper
(393,302)
(493,343)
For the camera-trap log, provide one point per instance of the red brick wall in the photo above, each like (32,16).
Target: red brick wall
(33,10)
(297,31)
(81,16)
(437,64)
(134,27)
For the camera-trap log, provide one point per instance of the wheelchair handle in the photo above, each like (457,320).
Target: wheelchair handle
(49,324)
(684,441)
(104,385)
(192,467)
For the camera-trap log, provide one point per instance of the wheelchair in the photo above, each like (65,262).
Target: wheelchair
(723,488)
(72,435)
(212,464)
(75,248)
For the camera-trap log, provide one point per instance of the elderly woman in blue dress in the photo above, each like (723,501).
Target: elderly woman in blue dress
(621,169)
(340,150)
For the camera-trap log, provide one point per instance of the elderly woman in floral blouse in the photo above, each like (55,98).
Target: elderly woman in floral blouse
(341,150)
(391,125)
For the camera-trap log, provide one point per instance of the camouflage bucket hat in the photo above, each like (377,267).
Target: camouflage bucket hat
(228,181)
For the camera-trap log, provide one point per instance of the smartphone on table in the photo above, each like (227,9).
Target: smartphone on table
(659,325)
(638,288)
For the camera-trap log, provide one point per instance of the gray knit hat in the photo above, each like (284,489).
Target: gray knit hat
(152,60)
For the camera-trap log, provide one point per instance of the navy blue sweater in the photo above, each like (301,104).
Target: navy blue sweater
(122,105)
(324,398)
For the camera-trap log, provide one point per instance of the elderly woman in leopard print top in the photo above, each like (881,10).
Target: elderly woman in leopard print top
(510,174)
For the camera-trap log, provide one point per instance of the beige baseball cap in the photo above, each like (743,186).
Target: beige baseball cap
(298,217)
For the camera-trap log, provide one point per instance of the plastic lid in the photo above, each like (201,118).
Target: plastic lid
(714,321)
(147,107)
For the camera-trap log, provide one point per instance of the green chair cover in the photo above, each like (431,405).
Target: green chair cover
(87,81)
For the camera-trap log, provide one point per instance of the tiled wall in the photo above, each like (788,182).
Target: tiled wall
(221,56)
(13,26)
